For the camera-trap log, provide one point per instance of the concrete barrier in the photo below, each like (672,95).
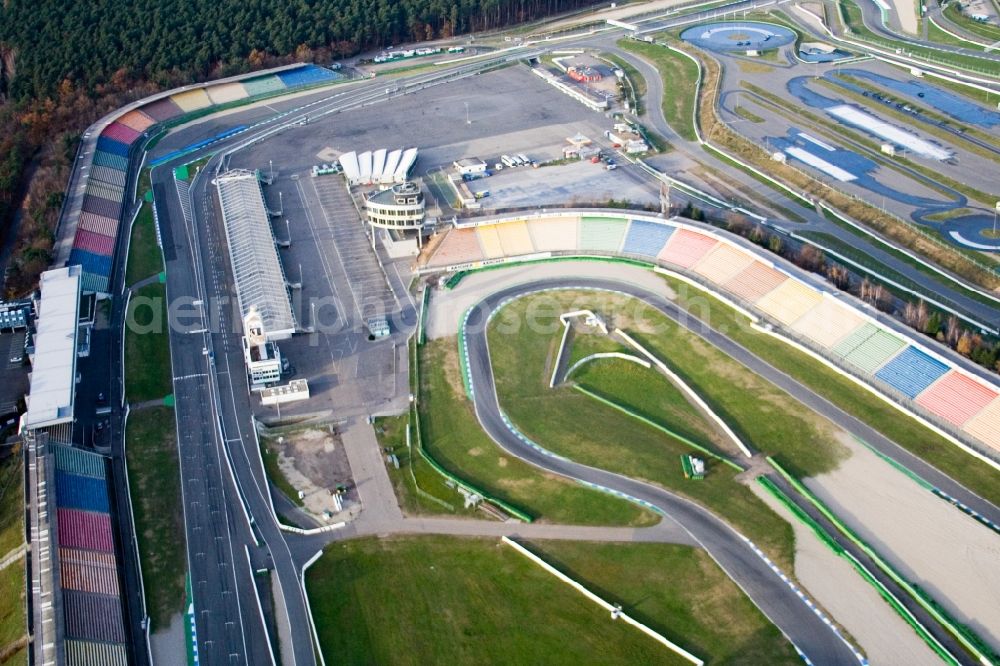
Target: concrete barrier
(689,392)
(610,608)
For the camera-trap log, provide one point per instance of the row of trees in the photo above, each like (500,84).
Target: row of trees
(88,42)
(65,64)
(947,329)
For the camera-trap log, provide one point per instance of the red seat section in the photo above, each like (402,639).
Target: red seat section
(121,133)
(83,529)
(956,397)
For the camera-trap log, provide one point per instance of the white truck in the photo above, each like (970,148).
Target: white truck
(508,161)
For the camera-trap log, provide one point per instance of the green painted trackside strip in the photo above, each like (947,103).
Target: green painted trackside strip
(919,480)
(453,281)
(968,638)
(661,428)
(415,419)
(829,542)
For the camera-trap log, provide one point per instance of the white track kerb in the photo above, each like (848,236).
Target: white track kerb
(647,505)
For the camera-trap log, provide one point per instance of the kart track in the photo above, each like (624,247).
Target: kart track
(781,603)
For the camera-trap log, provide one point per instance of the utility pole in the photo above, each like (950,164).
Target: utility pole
(468,121)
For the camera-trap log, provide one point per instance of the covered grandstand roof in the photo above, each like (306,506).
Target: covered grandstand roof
(379,166)
(260,281)
(53,374)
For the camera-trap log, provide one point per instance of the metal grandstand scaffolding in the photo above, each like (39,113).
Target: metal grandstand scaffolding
(260,281)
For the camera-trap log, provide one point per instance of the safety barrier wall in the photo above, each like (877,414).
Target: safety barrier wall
(625,617)
(824,319)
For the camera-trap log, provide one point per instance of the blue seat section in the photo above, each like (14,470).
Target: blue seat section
(646,238)
(81,492)
(107,145)
(81,463)
(92,263)
(111,160)
(91,282)
(911,371)
(308,75)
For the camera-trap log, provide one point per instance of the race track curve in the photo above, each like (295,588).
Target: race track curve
(778,601)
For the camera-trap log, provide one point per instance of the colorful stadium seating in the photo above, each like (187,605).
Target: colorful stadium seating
(191,100)
(459,246)
(489,240)
(911,371)
(686,247)
(754,281)
(554,234)
(789,301)
(828,323)
(263,85)
(985,426)
(95,617)
(602,234)
(79,462)
(956,397)
(722,263)
(307,76)
(84,529)
(162,110)
(137,120)
(121,133)
(226,92)
(514,239)
(646,239)
(868,348)
(90,653)
(81,492)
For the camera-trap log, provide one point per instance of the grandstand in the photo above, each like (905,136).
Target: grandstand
(260,280)
(685,247)
(829,323)
(868,348)
(646,239)
(89,577)
(551,234)
(789,301)
(602,234)
(956,397)
(106,181)
(911,371)
(722,263)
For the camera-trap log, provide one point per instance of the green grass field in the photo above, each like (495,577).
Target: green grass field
(11,504)
(154,477)
(144,258)
(578,427)
(905,431)
(680,79)
(453,436)
(12,619)
(147,346)
(269,454)
(431,600)
(419,488)
(13,606)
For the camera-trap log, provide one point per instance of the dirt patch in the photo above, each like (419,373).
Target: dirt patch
(932,544)
(314,463)
(167,645)
(854,604)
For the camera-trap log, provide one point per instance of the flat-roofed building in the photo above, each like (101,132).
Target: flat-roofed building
(52,390)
